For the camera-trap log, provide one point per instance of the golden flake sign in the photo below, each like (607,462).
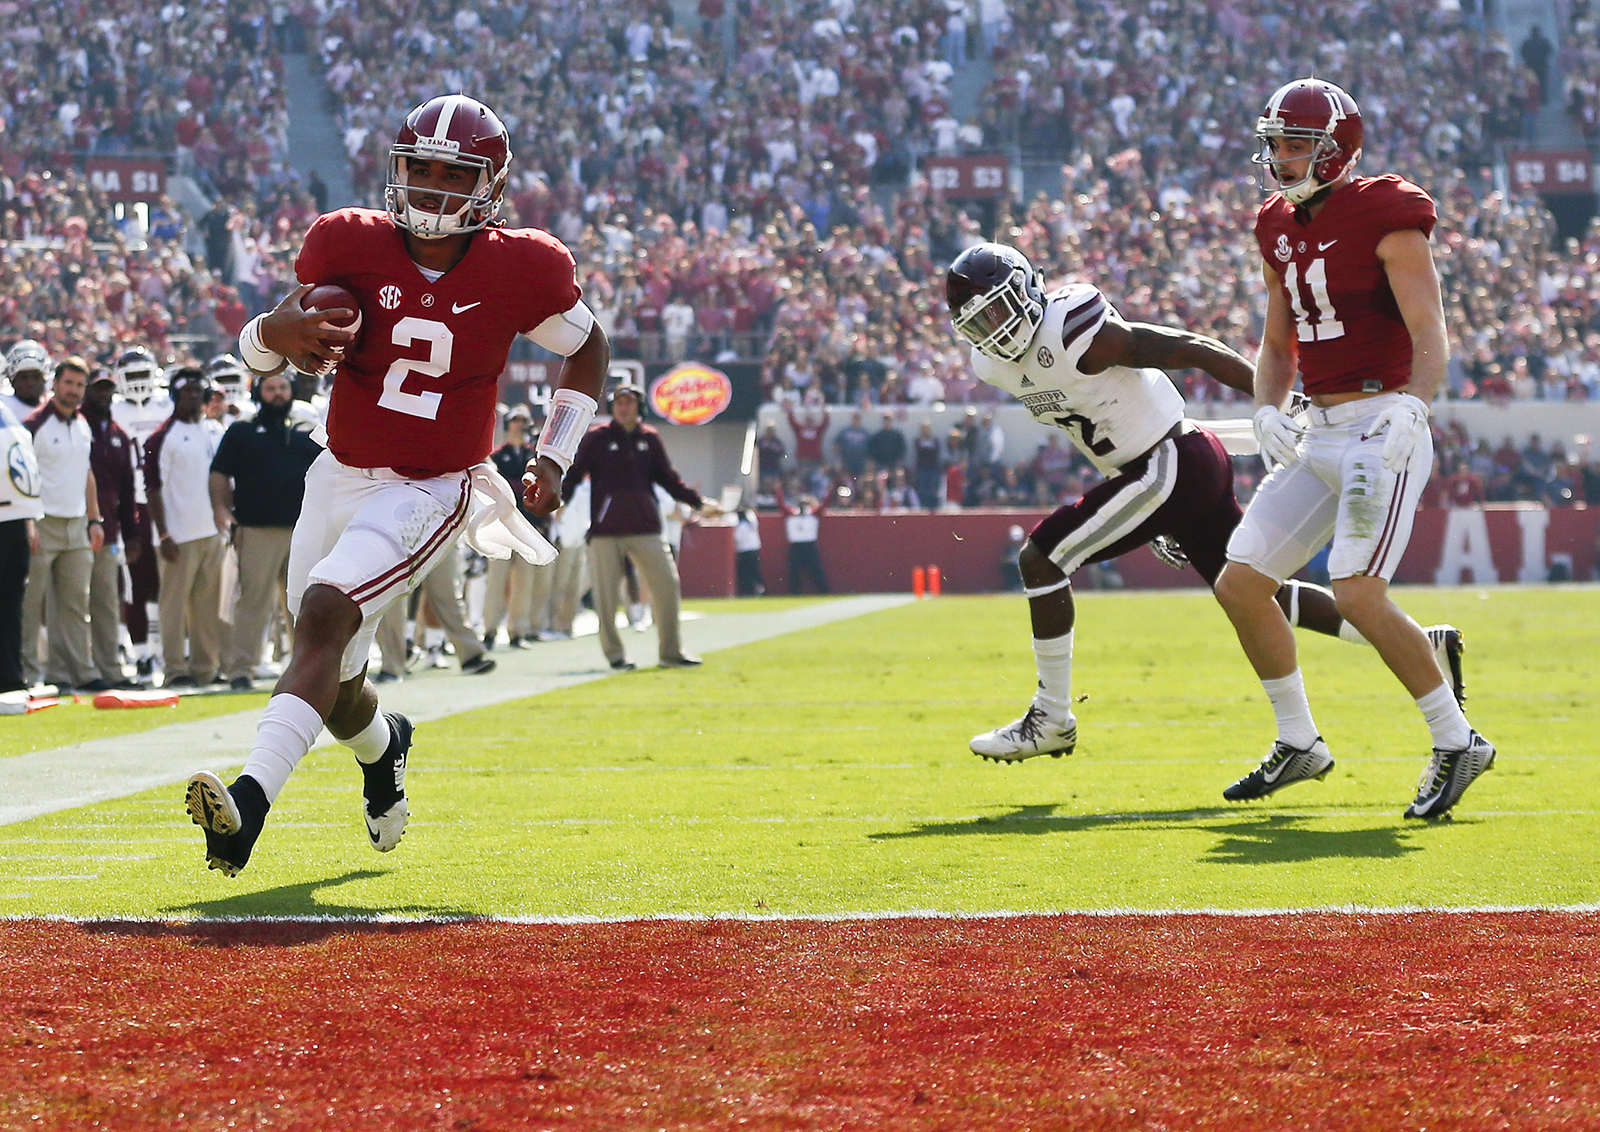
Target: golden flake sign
(690,394)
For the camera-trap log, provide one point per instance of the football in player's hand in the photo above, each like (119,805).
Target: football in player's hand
(330,296)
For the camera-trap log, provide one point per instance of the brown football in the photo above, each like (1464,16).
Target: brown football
(330,296)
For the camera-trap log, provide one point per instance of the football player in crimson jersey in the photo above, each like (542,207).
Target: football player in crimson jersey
(442,293)
(1353,305)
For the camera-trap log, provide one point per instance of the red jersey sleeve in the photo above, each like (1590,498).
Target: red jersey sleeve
(552,277)
(1402,205)
(314,263)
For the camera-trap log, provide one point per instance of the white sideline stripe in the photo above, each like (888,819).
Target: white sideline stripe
(65,778)
(840,917)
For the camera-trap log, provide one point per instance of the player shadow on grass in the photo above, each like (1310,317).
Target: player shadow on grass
(1277,840)
(1044,819)
(301,900)
(1268,840)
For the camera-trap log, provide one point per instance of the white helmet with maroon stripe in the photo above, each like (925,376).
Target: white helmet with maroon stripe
(460,131)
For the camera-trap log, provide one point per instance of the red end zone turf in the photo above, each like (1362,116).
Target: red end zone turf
(1472,1021)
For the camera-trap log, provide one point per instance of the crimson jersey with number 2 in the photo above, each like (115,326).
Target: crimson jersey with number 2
(1348,326)
(418,392)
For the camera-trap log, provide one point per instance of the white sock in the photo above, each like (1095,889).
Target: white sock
(1348,632)
(1451,732)
(1289,704)
(287,729)
(433,638)
(373,740)
(1053,658)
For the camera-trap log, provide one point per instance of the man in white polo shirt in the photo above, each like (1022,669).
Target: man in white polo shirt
(177,477)
(67,536)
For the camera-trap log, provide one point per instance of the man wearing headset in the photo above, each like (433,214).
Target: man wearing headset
(258,478)
(624,460)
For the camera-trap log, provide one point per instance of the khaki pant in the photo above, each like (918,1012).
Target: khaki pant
(443,590)
(191,594)
(58,576)
(570,579)
(263,576)
(658,572)
(519,594)
(105,613)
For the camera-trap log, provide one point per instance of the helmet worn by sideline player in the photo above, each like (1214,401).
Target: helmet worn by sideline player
(227,374)
(1319,112)
(137,373)
(460,131)
(996,300)
(27,356)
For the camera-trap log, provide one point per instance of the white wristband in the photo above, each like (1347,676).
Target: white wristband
(571,413)
(255,355)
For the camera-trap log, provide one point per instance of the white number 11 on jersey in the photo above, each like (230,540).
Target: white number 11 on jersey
(441,343)
(1326,326)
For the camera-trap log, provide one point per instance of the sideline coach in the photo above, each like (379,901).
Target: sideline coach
(624,460)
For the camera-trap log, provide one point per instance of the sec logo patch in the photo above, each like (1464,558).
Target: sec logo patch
(389,297)
(1046,358)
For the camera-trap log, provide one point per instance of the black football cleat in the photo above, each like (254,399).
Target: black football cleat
(1283,766)
(1448,646)
(1447,776)
(231,816)
(383,786)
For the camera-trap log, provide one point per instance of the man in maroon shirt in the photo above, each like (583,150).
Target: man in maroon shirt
(111,458)
(624,460)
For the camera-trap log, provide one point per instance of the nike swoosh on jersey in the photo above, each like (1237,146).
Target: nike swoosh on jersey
(1321,247)
(457,308)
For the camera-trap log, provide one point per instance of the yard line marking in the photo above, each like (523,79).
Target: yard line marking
(65,778)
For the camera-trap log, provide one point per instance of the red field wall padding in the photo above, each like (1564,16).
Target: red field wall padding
(873,553)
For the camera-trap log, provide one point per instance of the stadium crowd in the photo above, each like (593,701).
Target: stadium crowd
(725,186)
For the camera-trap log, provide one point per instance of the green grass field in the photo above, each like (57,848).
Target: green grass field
(827,772)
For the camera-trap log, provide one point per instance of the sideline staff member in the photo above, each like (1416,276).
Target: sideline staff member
(69,535)
(258,480)
(623,461)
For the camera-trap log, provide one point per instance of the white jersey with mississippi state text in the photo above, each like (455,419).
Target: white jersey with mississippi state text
(1112,416)
(140,419)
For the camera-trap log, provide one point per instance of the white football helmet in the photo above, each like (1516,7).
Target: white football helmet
(228,375)
(137,374)
(27,356)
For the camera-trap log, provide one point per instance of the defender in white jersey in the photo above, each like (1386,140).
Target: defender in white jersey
(1073,361)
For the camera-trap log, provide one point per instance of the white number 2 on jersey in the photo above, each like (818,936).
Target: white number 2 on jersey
(1326,326)
(441,343)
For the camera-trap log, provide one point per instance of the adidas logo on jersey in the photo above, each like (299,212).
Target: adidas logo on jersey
(1026,382)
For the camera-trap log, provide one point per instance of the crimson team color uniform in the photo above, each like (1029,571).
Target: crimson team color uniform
(1351,338)
(413,403)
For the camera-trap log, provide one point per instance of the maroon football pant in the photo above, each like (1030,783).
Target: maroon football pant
(1114,517)
(145,575)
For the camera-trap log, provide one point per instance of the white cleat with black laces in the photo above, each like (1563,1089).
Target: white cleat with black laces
(1447,776)
(1283,766)
(1448,646)
(1036,733)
